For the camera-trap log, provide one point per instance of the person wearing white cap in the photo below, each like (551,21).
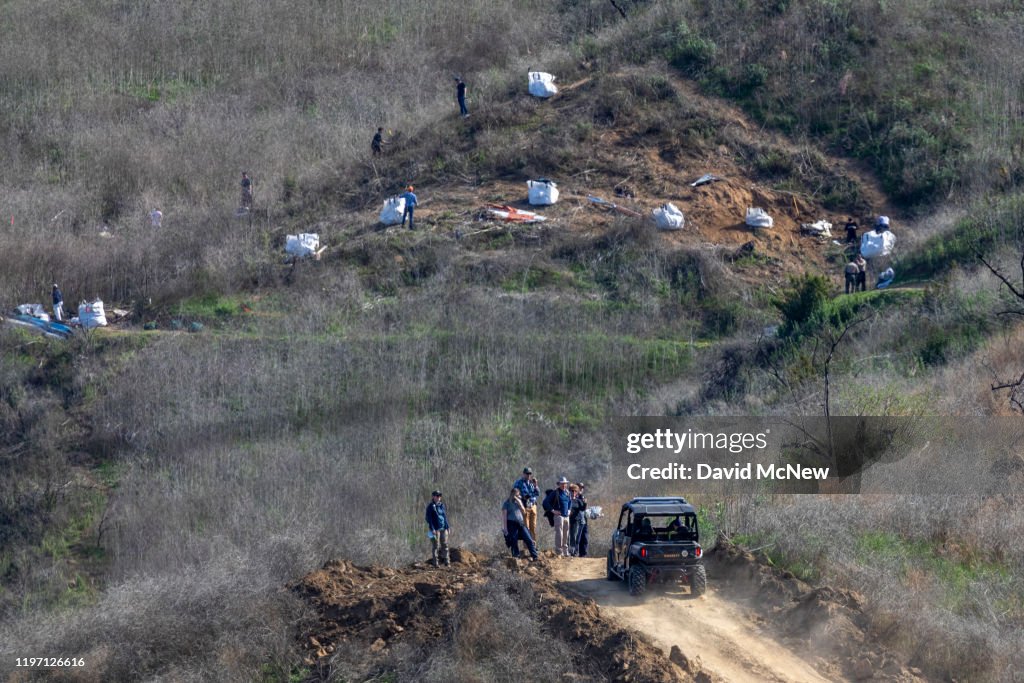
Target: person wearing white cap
(58,304)
(560,503)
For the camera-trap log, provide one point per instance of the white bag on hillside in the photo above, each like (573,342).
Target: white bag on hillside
(759,218)
(303,244)
(542,84)
(392,212)
(668,217)
(542,192)
(90,314)
(874,244)
(34,310)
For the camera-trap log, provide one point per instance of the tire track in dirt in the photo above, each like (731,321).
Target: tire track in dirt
(724,634)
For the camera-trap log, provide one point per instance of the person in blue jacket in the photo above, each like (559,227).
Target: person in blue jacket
(528,494)
(559,503)
(460,95)
(410,204)
(438,529)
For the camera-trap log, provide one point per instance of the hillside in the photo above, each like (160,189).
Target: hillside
(167,482)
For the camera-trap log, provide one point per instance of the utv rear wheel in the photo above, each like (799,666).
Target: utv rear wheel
(611,563)
(698,581)
(637,580)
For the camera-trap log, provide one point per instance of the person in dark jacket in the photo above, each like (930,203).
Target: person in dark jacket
(560,503)
(58,304)
(528,494)
(512,520)
(851,231)
(378,142)
(438,529)
(410,205)
(460,95)
(577,521)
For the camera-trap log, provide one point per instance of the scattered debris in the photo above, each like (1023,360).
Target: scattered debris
(747,249)
(885,278)
(704,180)
(759,218)
(513,215)
(820,228)
(302,245)
(543,192)
(613,207)
(542,84)
(34,317)
(668,217)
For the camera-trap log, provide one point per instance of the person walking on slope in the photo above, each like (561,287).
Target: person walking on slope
(460,95)
(378,142)
(410,205)
(528,493)
(246,202)
(512,518)
(851,231)
(560,503)
(862,273)
(58,304)
(438,530)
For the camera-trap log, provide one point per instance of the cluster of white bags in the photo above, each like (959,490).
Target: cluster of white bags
(303,244)
(394,208)
(874,244)
(668,217)
(34,310)
(542,84)
(91,314)
(542,192)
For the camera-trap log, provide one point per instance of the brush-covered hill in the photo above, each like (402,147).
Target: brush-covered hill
(159,487)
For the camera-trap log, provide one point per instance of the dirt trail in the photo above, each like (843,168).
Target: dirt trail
(724,634)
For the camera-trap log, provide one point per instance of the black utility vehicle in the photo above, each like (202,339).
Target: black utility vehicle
(657,541)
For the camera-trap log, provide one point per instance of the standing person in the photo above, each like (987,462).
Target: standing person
(578,521)
(156,216)
(862,273)
(560,503)
(851,231)
(851,271)
(246,191)
(584,539)
(378,142)
(528,493)
(58,304)
(460,95)
(438,529)
(512,519)
(410,204)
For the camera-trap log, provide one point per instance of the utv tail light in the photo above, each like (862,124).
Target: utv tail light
(698,552)
(643,552)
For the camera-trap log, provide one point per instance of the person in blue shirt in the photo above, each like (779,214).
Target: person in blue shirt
(560,504)
(438,530)
(410,204)
(528,494)
(58,304)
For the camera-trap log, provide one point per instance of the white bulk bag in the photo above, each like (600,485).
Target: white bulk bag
(874,244)
(542,192)
(303,244)
(542,84)
(759,218)
(392,212)
(90,314)
(668,217)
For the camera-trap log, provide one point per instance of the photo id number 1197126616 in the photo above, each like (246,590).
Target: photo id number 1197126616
(48,662)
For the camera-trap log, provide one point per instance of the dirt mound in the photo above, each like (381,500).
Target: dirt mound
(378,611)
(828,622)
